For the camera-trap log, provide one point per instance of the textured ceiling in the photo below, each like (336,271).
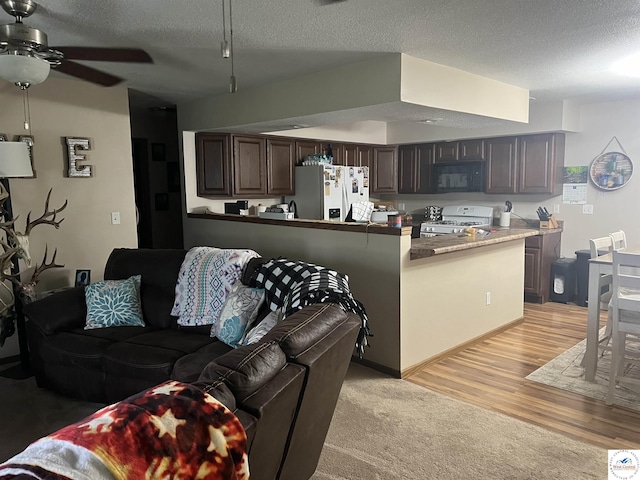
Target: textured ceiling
(555,48)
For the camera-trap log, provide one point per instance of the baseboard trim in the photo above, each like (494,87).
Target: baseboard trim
(376,366)
(407,372)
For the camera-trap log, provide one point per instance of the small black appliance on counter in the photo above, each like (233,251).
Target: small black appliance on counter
(235,207)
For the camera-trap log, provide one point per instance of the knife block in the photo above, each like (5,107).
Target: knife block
(551,223)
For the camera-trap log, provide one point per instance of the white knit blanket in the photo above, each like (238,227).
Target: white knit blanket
(206,277)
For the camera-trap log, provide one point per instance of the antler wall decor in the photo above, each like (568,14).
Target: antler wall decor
(16,247)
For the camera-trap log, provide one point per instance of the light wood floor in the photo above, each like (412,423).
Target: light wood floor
(492,374)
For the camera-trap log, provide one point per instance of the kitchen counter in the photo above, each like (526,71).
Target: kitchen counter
(395,276)
(430,246)
(374,228)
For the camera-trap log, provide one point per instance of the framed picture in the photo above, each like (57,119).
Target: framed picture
(83,278)
(611,170)
(158,152)
(162,201)
(173,177)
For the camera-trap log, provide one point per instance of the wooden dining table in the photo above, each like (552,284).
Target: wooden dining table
(598,266)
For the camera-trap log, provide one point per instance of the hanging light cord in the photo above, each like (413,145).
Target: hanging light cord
(26,109)
(231,36)
(224,23)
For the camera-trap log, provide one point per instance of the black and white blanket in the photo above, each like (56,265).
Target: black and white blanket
(292,285)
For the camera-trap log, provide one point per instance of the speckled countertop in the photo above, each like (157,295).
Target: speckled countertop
(428,247)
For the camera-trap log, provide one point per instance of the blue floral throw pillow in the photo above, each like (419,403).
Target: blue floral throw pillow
(239,311)
(114,303)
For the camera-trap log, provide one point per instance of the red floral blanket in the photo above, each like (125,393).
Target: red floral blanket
(172,431)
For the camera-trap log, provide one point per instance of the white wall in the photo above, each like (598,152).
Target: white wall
(61,108)
(443,298)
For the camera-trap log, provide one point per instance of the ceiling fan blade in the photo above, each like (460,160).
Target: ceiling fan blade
(99,54)
(87,73)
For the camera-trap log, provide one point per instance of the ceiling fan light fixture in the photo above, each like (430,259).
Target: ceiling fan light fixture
(23,70)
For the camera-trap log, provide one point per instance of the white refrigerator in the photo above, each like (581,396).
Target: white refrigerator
(326,192)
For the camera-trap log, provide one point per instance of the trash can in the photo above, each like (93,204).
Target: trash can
(563,280)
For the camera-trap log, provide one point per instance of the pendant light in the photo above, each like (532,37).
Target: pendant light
(224,46)
(233,85)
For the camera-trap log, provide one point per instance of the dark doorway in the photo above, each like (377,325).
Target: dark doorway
(143,192)
(157,173)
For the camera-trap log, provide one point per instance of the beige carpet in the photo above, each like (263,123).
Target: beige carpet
(566,373)
(390,429)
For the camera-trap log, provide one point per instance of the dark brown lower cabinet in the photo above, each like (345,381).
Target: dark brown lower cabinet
(539,253)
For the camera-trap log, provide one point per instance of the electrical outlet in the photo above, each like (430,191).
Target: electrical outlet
(556,208)
(488,298)
(115,218)
(587,209)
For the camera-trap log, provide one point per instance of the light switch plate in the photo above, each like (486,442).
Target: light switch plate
(115,218)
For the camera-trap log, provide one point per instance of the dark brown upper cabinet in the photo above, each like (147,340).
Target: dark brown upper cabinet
(350,155)
(525,164)
(336,150)
(365,156)
(446,152)
(356,155)
(414,168)
(306,148)
(471,150)
(384,173)
(407,169)
(213,164)
(249,165)
(280,167)
(425,154)
(541,163)
(500,169)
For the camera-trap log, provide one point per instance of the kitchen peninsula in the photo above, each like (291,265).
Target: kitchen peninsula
(424,297)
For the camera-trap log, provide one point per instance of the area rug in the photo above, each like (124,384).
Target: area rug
(389,429)
(566,373)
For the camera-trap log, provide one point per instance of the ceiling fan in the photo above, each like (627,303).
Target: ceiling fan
(18,42)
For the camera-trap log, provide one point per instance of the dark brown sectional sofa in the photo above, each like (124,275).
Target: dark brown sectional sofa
(283,389)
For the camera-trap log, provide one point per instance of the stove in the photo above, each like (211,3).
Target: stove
(457,218)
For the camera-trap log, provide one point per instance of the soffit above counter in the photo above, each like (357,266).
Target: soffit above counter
(389,88)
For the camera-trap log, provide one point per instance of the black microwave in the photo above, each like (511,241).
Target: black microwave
(458,177)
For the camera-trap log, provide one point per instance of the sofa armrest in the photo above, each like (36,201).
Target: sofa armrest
(59,312)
